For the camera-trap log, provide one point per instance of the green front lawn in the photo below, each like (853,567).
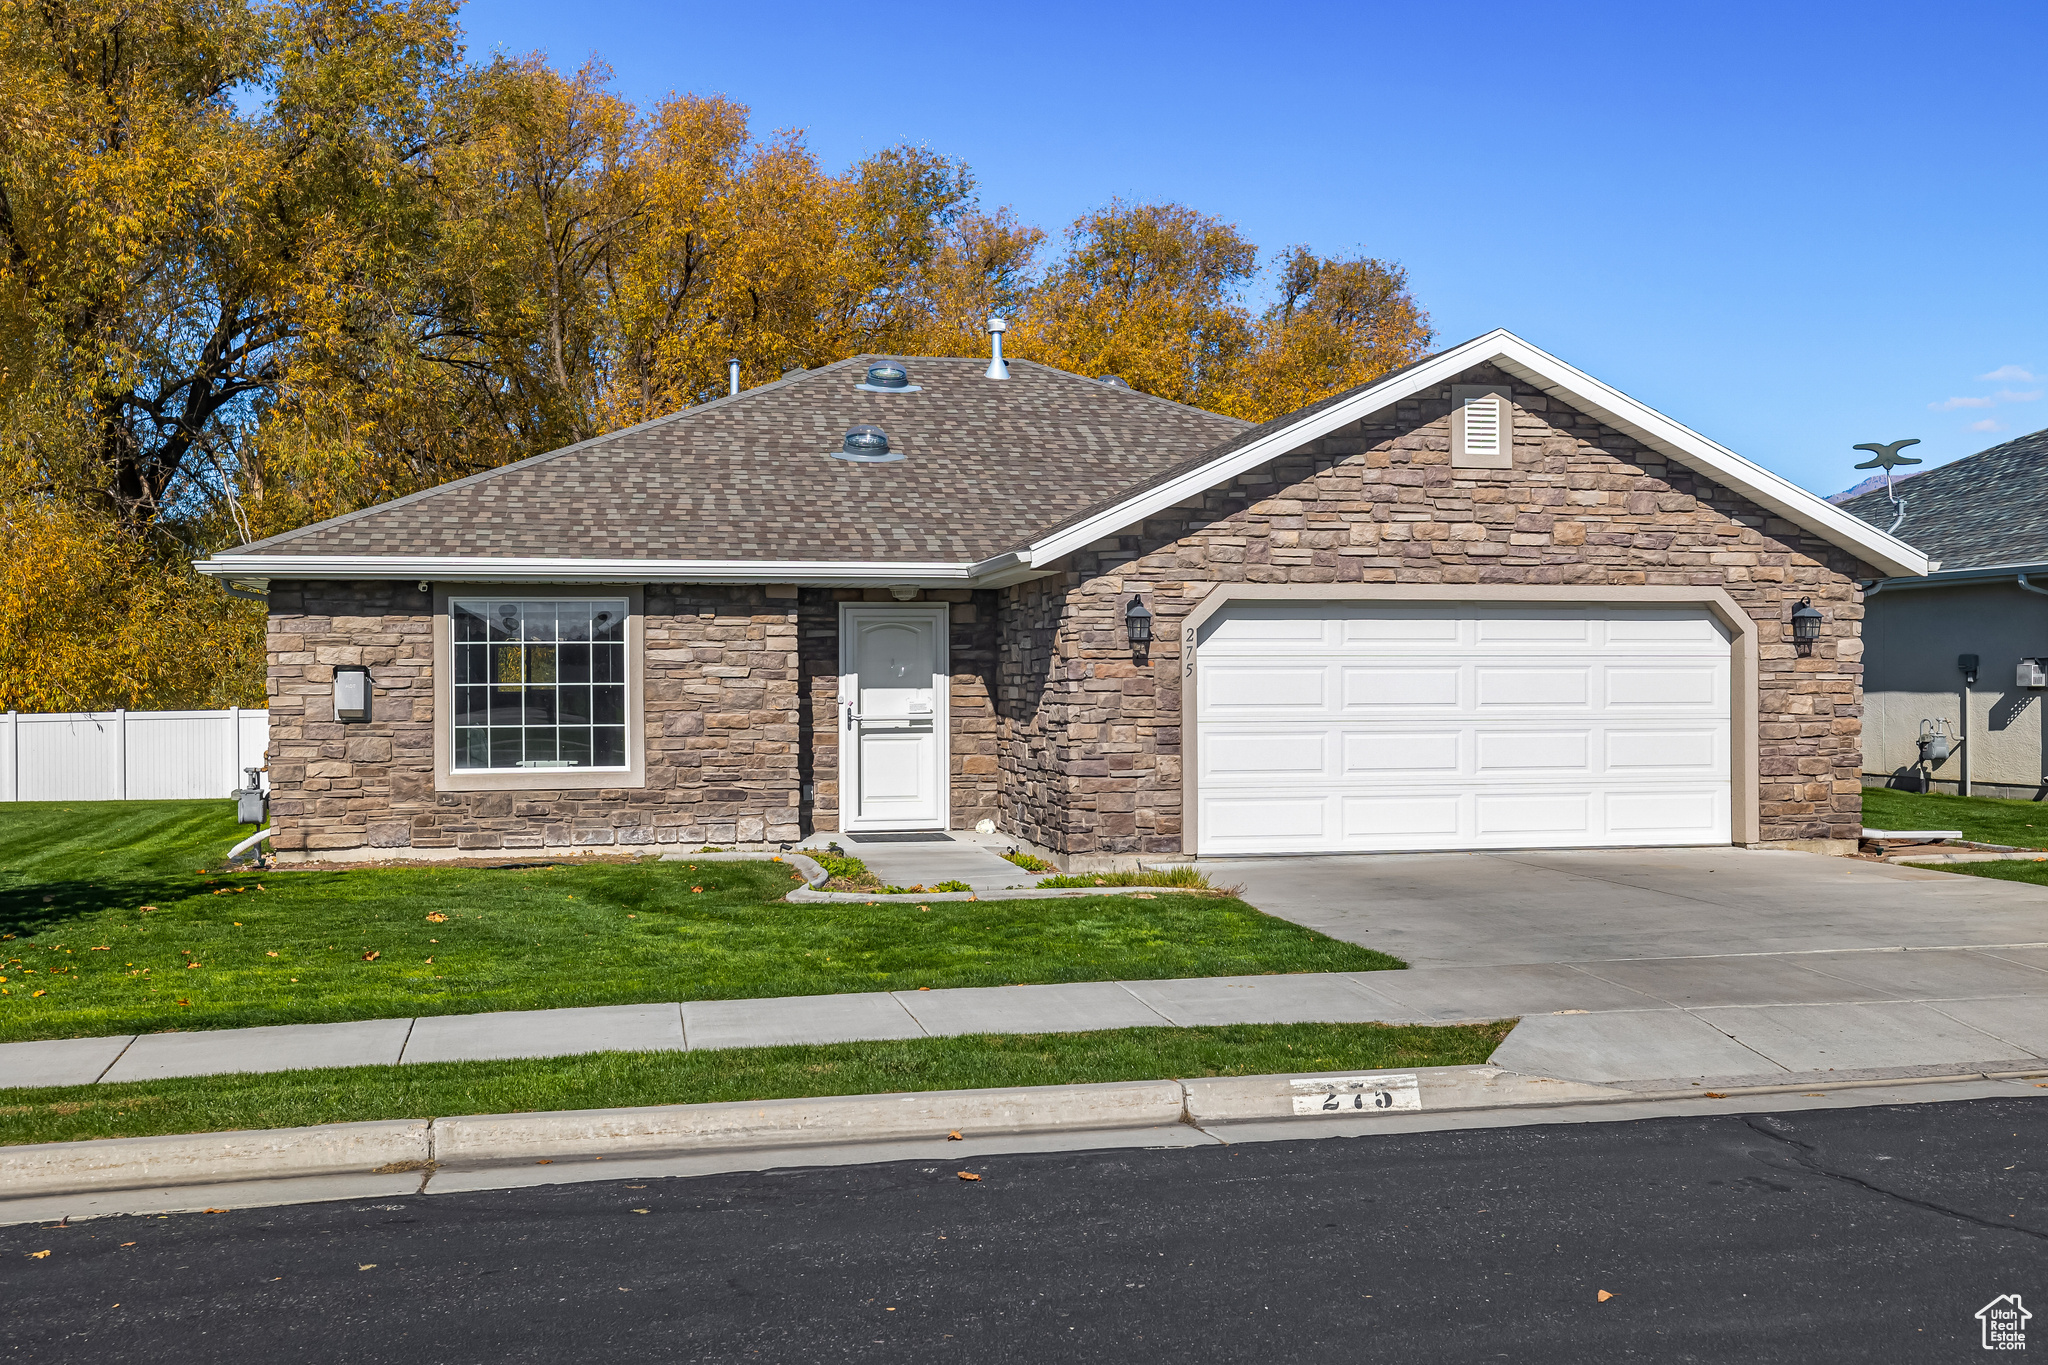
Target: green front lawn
(293,1099)
(113,924)
(2023,824)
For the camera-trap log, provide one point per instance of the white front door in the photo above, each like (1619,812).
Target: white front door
(892,717)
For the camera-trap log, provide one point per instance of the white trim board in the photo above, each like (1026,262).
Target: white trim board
(1541,370)
(997,571)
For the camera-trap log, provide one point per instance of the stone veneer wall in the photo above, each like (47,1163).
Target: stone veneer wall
(1091,742)
(971,698)
(720,708)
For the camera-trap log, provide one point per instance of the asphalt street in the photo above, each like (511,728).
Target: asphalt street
(1850,1235)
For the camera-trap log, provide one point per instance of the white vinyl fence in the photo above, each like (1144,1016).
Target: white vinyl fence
(129,755)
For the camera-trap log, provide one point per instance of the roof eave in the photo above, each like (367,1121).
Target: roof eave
(998,571)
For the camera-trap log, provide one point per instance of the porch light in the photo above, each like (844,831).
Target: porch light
(1138,623)
(1805,622)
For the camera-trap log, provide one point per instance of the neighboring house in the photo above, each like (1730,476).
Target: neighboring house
(1984,520)
(1484,602)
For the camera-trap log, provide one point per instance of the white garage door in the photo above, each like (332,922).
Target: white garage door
(1339,727)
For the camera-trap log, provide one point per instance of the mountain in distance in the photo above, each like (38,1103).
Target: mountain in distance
(1874,481)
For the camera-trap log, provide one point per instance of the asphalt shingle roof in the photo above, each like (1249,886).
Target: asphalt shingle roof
(990,465)
(1987,508)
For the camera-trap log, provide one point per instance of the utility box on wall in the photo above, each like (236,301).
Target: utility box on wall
(351,692)
(2031,674)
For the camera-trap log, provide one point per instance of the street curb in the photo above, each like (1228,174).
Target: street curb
(488,1139)
(208,1158)
(483,1141)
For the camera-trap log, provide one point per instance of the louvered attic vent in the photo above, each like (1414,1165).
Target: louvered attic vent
(1482,427)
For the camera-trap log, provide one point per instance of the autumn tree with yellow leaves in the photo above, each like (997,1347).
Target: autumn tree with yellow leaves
(266,261)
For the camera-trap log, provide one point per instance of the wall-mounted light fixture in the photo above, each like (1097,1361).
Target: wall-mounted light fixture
(1805,622)
(1967,665)
(1138,624)
(351,692)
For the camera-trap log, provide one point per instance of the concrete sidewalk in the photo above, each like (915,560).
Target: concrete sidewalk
(1734,1019)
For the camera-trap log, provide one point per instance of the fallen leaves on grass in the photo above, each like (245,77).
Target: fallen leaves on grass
(33,994)
(270,954)
(437,918)
(372,956)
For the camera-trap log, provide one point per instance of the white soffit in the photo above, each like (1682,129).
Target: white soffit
(1542,370)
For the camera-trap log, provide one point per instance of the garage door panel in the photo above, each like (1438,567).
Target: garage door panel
(1381,818)
(1386,752)
(1401,628)
(1267,753)
(1269,823)
(1508,629)
(1266,687)
(1282,626)
(1666,628)
(1693,816)
(1366,688)
(1700,752)
(1534,687)
(1327,727)
(1512,816)
(1697,686)
(1514,751)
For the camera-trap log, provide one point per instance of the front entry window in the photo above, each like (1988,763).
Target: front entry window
(539,683)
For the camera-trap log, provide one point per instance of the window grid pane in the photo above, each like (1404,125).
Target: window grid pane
(539,684)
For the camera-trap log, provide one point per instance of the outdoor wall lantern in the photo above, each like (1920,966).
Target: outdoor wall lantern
(1805,622)
(1138,624)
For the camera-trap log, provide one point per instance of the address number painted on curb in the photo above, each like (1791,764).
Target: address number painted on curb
(1357,1094)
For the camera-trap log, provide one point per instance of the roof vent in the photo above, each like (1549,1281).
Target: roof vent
(867,445)
(1114,381)
(888,377)
(996,368)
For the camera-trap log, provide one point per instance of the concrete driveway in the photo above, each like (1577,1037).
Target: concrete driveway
(1707,965)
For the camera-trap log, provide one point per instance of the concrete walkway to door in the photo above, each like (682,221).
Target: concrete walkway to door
(1706,964)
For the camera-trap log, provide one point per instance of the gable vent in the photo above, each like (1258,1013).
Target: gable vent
(1482,427)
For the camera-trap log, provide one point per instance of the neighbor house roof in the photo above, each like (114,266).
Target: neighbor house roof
(1984,509)
(1002,479)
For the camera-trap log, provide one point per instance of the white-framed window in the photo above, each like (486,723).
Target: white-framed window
(540,683)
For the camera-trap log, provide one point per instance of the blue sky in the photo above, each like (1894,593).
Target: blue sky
(1792,227)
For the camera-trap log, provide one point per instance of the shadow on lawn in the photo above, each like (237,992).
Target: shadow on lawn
(29,907)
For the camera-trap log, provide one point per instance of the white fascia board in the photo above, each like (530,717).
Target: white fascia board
(1561,381)
(487,569)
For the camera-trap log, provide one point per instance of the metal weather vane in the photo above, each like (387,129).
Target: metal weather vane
(1885,457)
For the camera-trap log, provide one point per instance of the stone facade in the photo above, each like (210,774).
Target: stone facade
(1092,741)
(740,710)
(1058,734)
(720,710)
